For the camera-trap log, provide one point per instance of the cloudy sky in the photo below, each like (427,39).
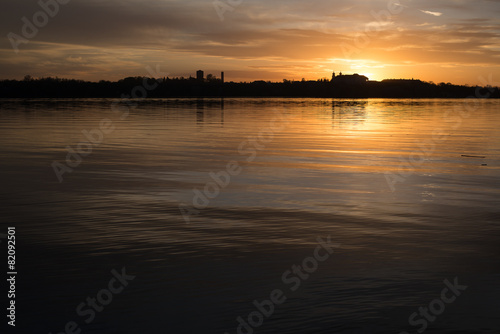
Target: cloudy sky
(434,40)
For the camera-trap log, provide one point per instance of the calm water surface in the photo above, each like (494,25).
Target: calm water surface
(385,179)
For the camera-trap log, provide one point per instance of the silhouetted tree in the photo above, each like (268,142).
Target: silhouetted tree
(30,87)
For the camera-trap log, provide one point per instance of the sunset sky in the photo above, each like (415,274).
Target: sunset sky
(454,41)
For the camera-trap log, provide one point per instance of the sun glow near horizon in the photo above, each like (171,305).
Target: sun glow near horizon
(258,41)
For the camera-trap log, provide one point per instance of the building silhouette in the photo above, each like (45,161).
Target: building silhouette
(199,75)
(351,79)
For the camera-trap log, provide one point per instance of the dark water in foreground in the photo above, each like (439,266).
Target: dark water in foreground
(385,179)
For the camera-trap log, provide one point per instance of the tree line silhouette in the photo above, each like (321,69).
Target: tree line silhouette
(213,87)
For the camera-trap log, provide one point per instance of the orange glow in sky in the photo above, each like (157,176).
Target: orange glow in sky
(441,41)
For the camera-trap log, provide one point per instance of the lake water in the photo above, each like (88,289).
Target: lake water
(210,204)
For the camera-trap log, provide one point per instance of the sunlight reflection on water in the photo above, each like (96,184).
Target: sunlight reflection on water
(323,173)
